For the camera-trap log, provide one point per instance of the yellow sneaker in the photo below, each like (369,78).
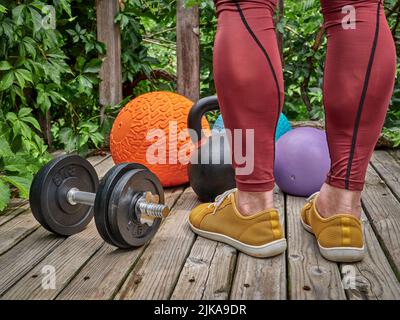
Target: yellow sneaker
(259,235)
(339,237)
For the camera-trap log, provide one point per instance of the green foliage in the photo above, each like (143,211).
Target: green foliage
(392,129)
(78,139)
(22,153)
(53,71)
(154,43)
(393,134)
(138,21)
(208,27)
(300,25)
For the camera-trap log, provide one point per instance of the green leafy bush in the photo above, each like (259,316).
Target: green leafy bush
(22,153)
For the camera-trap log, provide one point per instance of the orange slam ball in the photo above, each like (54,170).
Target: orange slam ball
(130,140)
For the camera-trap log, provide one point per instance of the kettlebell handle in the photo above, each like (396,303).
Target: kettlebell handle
(196,114)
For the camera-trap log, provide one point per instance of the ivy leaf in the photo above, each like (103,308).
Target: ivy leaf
(25,74)
(5,149)
(43,101)
(69,139)
(93,66)
(7,80)
(18,15)
(36,19)
(5,195)
(20,79)
(20,93)
(3,9)
(56,97)
(97,139)
(84,83)
(29,45)
(19,168)
(83,139)
(33,122)
(25,130)
(5,65)
(66,134)
(21,183)
(11,117)
(24,112)
(64,5)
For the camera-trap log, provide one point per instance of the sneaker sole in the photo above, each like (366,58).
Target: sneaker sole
(338,254)
(265,251)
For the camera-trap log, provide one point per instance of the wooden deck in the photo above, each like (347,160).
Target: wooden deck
(176,264)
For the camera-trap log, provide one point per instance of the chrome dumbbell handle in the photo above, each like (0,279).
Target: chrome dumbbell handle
(152,209)
(75,196)
(146,204)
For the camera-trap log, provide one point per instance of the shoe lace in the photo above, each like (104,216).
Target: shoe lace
(220,198)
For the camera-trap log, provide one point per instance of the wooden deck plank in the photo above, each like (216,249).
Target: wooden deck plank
(372,278)
(396,154)
(207,273)
(66,259)
(102,166)
(15,263)
(194,275)
(383,210)
(13,205)
(219,281)
(96,160)
(310,276)
(13,211)
(261,278)
(16,230)
(387,167)
(157,270)
(101,277)
(104,274)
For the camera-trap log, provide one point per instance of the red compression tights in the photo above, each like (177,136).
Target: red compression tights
(358,83)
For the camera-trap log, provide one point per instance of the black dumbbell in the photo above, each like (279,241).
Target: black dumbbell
(128,204)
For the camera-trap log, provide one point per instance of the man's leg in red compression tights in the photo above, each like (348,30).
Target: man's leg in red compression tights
(359,79)
(358,84)
(249,81)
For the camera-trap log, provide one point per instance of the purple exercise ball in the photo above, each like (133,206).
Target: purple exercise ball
(302,161)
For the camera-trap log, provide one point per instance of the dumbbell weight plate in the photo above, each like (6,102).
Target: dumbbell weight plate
(48,194)
(105,189)
(126,224)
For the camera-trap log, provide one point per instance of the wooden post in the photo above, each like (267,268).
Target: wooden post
(109,33)
(188,51)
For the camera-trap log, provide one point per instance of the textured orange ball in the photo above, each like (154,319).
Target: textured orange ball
(131,135)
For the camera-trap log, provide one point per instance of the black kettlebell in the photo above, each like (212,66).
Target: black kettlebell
(210,169)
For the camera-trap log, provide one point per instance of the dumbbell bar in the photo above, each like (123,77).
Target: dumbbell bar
(65,194)
(144,204)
